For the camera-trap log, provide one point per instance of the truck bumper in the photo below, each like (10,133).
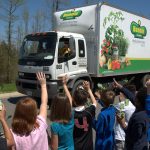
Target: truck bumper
(32,88)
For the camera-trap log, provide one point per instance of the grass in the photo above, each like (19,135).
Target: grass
(5,88)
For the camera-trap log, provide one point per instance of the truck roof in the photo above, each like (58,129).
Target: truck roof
(60,33)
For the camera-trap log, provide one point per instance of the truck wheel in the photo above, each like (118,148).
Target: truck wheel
(77,85)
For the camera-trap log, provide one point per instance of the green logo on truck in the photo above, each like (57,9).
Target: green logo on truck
(138,30)
(71,15)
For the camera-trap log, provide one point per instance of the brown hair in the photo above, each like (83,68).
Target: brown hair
(131,88)
(60,109)
(140,98)
(24,119)
(108,97)
(80,97)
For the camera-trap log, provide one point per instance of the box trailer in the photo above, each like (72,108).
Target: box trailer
(104,43)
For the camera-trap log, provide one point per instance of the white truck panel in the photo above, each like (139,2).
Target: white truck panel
(72,21)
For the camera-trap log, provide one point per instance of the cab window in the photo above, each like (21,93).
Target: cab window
(66,49)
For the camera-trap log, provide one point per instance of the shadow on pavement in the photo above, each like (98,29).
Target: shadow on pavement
(14,100)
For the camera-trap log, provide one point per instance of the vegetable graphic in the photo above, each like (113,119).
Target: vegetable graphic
(115,65)
(109,64)
(115,45)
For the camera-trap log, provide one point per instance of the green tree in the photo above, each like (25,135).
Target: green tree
(9,16)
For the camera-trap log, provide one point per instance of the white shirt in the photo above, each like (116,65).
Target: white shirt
(128,108)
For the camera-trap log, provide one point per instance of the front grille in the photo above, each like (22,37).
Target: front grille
(29,76)
(29,86)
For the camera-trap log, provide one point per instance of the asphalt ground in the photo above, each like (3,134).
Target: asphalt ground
(10,100)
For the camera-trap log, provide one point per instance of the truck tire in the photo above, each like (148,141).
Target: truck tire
(76,85)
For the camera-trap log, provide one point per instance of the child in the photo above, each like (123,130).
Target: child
(83,137)
(8,141)
(104,125)
(62,119)
(28,128)
(126,108)
(137,128)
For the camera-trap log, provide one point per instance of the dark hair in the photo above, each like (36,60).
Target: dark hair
(60,109)
(24,119)
(80,97)
(131,88)
(108,97)
(140,98)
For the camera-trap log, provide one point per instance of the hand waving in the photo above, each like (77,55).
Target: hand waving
(41,78)
(86,85)
(3,113)
(116,84)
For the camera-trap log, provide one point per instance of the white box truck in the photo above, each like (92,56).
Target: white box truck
(94,43)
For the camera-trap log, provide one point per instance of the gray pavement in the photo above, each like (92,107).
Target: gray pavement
(10,100)
(12,94)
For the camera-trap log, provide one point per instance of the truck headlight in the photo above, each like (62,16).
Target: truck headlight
(48,76)
(21,74)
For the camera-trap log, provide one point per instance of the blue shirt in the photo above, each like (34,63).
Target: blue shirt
(104,127)
(65,134)
(147,108)
(136,132)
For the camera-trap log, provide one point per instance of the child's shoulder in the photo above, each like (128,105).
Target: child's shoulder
(108,110)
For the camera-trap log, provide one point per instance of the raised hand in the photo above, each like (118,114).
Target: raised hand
(86,85)
(147,84)
(3,113)
(44,96)
(97,94)
(41,78)
(64,79)
(116,84)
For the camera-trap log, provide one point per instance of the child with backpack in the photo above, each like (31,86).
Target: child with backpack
(104,125)
(83,137)
(62,118)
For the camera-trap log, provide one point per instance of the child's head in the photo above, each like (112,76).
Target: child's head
(108,97)
(140,98)
(80,97)
(60,109)
(24,119)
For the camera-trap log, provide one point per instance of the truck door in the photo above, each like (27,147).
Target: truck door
(67,60)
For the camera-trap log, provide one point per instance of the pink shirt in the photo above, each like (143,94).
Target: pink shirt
(37,140)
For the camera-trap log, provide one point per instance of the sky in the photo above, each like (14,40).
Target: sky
(138,6)
(141,7)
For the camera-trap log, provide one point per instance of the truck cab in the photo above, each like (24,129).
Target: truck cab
(55,54)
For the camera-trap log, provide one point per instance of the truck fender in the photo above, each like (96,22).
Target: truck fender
(76,78)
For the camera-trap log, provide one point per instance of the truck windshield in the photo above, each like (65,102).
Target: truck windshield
(38,49)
